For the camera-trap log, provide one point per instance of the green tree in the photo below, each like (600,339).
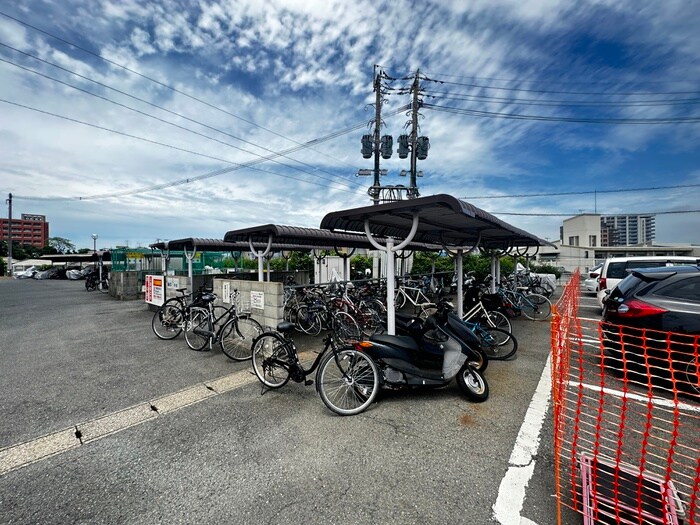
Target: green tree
(3,266)
(61,244)
(301,261)
(423,263)
(18,252)
(360,263)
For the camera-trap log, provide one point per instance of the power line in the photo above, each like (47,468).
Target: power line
(580,120)
(668,212)
(587,192)
(196,178)
(162,84)
(553,81)
(560,92)
(275,154)
(566,103)
(250,165)
(268,158)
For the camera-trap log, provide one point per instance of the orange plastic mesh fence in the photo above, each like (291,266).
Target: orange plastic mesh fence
(627,420)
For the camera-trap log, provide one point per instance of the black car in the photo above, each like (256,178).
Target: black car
(651,325)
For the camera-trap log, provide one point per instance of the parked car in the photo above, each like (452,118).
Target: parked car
(653,315)
(616,268)
(26,274)
(591,283)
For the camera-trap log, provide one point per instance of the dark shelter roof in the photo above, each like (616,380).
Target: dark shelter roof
(308,237)
(78,257)
(443,220)
(189,243)
(217,245)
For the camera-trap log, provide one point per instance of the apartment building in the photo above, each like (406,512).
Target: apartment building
(589,238)
(29,229)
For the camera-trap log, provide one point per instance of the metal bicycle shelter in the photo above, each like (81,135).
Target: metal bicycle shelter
(443,220)
(438,222)
(314,239)
(264,240)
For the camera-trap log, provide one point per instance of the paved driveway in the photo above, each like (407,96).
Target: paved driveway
(168,435)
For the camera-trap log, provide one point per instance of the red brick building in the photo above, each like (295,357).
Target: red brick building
(30,229)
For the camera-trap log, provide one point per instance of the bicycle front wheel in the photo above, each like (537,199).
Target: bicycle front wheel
(499,320)
(197,329)
(104,286)
(497,344)
(308,321)
(237,337)
(536,307)
(345,329)
(347,381)
(371,322)
(167,321)
(271,360)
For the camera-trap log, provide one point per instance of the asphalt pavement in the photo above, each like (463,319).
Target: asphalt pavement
(147,431)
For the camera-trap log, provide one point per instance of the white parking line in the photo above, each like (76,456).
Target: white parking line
(511,492)
(658,401)
(23,454)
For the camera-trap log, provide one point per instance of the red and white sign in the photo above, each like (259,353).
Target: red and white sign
(155,289)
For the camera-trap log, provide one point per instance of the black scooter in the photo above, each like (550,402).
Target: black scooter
(430,353)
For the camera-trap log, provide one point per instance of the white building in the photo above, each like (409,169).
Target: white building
(584,241)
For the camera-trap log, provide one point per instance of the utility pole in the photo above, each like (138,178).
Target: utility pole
(413,187)
(9,236)
(377,132)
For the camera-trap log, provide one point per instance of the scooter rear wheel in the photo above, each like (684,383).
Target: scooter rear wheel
(473,384)
(347,381)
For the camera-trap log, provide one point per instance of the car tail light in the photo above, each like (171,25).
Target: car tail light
(637,308)
(602,285)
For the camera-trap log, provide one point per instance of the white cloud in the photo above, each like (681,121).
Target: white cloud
(303,70)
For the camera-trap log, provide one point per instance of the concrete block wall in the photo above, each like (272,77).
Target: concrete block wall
(125,286)
(273,310)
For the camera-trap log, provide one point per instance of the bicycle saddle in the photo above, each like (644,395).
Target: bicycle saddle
(285,326)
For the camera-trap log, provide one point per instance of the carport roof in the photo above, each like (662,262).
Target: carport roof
(309,238)
(78,257)
(217,245)
(443,220)
(202,244)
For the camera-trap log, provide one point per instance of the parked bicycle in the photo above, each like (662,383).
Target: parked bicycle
(533,306)
(498,344)
(233,332)
(171,317)
(479,313)
(422,305)
(347,380)
(93,281)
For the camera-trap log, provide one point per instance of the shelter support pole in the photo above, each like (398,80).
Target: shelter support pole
(390,305)
(260,255)
(100,285)
(390,250)
(460,283)
(498,271)
(190,257)
(346,268)
(494,278)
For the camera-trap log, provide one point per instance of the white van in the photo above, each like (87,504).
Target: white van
(616,268)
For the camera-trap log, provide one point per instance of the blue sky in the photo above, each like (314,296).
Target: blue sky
(224,83)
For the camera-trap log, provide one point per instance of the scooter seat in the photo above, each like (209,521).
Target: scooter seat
(402,341)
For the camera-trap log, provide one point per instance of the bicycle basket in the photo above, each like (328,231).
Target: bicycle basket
(492,301)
